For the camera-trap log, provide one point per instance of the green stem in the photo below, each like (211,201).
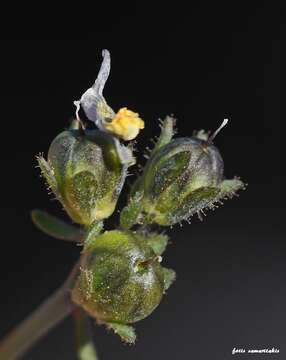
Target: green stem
(36,325)
(85,347)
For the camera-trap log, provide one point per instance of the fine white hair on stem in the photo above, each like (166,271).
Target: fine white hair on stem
(223,124)
(103,73)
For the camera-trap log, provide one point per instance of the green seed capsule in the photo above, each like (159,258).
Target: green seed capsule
(86,174)
(121,278)
(182,177)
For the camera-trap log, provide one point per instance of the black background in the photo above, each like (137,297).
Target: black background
(203,64)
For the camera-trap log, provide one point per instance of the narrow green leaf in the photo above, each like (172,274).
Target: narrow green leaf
(130,213)
(126,332)
(158,242)
(167,132)
(48,174)
(55,227)
(94,230)
(230,187)
(85,346)
(169,278)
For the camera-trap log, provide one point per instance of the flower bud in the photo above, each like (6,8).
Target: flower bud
(121,278)
(181,178)
(85,171)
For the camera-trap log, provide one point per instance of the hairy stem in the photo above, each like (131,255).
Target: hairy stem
(36,325)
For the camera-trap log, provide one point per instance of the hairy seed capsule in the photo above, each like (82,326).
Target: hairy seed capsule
(85,172)
(121,279)
(183,176)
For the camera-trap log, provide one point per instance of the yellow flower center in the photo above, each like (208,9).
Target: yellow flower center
(126,124)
